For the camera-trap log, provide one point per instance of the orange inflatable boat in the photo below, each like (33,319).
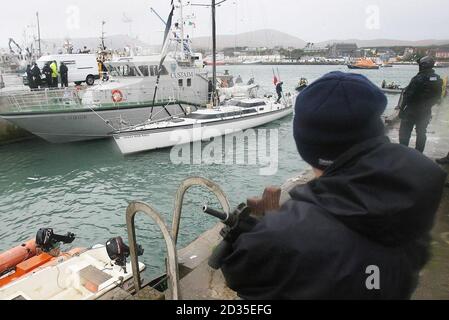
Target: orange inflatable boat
(33,254)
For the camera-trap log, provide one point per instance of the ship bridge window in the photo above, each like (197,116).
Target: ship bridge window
(124,71)
(145,70)
(154,70)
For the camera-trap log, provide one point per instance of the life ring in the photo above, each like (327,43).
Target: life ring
(117,96)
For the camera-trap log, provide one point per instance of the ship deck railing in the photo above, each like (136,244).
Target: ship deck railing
(72,100)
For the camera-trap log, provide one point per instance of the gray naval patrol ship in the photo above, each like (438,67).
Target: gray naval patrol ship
(126,99)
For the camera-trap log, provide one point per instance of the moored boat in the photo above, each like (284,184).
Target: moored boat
(366,64)
(39,270)
(392,91)
(234,116)
(69,115)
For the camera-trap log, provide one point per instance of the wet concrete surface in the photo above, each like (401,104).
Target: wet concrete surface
(434,282)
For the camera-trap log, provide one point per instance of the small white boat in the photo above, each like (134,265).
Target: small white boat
(392,91)
(234,116)
(87,276)
(252,62)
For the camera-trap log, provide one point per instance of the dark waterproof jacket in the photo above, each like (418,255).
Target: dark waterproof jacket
(63,70)
(374,207)
(423,92)
(279,88)
(46,70)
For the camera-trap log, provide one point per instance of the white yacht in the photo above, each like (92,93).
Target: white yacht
(234,116)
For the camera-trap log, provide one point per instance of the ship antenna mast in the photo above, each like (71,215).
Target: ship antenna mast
(181,13)
(103,47)
(214,53)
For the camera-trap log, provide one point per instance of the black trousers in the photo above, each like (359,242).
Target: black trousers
(279,96)
(408,124)
(64,81)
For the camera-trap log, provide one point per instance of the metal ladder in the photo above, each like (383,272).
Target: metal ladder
(170,238)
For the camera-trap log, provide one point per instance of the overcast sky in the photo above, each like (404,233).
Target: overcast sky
(312,20)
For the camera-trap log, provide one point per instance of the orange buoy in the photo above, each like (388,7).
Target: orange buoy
(11,258)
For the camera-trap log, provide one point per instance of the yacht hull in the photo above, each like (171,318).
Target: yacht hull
(152,139)
(83,125)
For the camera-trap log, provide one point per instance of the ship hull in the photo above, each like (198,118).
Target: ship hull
(83,125)
(363,68)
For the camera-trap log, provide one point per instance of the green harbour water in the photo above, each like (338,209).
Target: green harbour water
(85,187)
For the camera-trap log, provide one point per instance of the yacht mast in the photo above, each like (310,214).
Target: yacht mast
(214,52)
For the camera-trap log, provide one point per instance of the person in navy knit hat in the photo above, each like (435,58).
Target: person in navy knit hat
(335,113)
(361,229)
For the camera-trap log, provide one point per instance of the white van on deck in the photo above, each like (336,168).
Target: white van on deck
(82,67)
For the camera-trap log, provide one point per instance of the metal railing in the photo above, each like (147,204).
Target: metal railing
(72,99)
(170,238)
(172,257)
(180,194)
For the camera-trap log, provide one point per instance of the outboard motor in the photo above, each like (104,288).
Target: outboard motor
(118,251)
(47,240)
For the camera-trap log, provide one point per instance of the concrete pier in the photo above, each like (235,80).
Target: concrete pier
(10,133)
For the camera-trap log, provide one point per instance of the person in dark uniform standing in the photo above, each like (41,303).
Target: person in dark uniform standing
(36,73)
(423,92)
(46,70)
(279,91)
(29,77)
(64,72)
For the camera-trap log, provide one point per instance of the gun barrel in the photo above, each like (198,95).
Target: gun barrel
(215,213)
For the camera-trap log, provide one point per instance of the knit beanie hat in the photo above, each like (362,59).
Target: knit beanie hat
(335,113)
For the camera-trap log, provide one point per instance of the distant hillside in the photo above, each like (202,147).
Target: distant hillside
(115,42)
(260,38)
(387,43)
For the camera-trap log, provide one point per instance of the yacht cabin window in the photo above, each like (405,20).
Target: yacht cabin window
(244,104)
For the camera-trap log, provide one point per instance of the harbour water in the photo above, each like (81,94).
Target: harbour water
(85,187)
